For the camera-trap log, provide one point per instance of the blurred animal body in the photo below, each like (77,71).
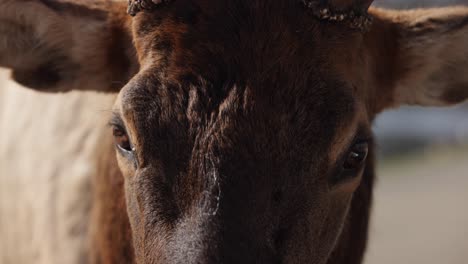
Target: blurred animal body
(239,131)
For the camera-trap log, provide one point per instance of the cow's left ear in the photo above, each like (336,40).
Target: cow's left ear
(67,45)
(418,57)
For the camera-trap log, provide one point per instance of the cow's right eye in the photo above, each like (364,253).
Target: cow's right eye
(121,139)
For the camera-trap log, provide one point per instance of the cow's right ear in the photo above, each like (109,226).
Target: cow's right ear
(67,45)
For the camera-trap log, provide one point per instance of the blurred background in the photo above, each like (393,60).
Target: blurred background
(420,213)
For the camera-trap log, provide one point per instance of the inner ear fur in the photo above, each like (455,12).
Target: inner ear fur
(67,45)
(418,57)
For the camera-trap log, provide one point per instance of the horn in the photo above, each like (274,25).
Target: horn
(350,12)
(136,6)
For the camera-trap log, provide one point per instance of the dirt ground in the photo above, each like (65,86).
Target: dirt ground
(420,212)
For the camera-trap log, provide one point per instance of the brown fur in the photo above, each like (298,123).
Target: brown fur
(241,113)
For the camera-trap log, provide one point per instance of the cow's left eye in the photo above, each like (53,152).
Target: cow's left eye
(121,139)
(356,156)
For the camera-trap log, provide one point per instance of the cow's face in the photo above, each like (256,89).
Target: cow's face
(236,150)
(243,134)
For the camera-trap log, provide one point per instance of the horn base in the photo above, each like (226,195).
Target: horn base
(136,6)
(355,19)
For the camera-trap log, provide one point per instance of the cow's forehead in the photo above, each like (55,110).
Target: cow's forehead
(185,41)
(269,29)
(174,119)
(278,60)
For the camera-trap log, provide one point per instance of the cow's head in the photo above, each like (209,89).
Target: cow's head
(243,129)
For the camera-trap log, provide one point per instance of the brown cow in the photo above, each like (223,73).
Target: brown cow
(242,128)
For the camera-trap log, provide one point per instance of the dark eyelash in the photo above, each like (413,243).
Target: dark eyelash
(358,140)
(363,135)
(116,121)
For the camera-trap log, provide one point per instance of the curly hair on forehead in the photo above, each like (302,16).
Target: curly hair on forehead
(136,6)
(355,18)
